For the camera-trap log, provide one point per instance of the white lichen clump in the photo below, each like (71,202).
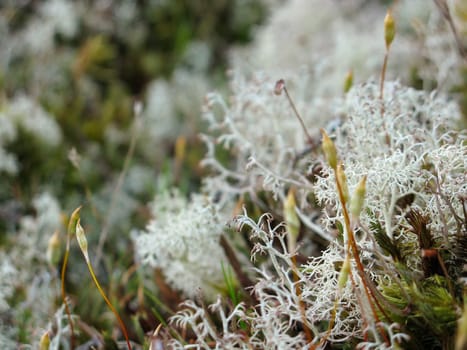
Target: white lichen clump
(259,130)
(403,141)
(27,265)
(23,113)
(399,147)
(183,241)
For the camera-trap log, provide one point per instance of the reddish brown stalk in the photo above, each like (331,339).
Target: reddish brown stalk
(280,86)
(301,304)
(118,187)
(360,268)
(364,320)
(330,153)
(446,274)
(389,33)
(71,229)
(381,96)
(83,245)
(383,78)
(64,298)
(109,304)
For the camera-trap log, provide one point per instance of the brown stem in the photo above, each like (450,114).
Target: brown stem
(301,304)
(280,85)
(446,274)
(381,95)
(361,270)
(64,298)
(116,192)
(71,231)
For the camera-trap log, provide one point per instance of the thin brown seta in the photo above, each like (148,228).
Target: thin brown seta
(280,86)
(351,249)
(70,233)
(113,201)
(298,291)
(83,244)
(389,34)
(292,222)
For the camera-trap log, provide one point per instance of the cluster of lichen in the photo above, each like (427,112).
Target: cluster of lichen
(82,67)
(323,205)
